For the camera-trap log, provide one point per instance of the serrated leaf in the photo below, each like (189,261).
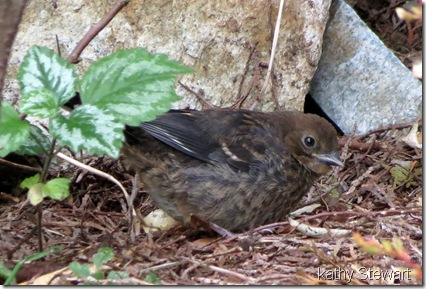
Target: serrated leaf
(36,143)
(43,69)
(35,194)
(41,103)
(57,189)
(79,269)
(133,84)
(13,130)
(89,128)
(29,182)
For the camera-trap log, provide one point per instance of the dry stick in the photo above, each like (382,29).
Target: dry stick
(353,213)
(19,166)
(365,214)
(242,98)
(95,29)
(356,145)
(223,271)
(384,129)
(200,98)
(274,46)
(10,17)
(99,173)
(229,273)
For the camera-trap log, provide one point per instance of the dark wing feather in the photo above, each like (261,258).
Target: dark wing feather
(179,130)
(215,136)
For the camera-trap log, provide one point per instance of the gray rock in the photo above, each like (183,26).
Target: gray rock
(226,42)
(360,83)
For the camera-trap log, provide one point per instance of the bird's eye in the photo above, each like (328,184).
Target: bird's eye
(309,141)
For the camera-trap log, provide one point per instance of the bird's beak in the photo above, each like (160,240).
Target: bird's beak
(332,159)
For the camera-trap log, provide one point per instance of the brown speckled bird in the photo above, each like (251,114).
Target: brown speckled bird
(236,168)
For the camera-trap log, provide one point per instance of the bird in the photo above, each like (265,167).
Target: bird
(238,169)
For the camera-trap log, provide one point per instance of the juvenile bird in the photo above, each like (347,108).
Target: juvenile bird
(236,168)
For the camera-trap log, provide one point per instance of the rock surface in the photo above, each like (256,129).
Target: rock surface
(227,43)
(360,83)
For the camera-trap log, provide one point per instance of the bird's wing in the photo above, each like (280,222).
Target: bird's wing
(177,129)
(224,136)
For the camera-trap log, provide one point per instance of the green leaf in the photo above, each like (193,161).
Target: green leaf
(57,189)
(29,182)
(118,275)
(35,194)
(89,128)
(41,103)
(5,272)
(31,258)
(44,70)
(103,255)
(13,130)
(152,278)
(98,275)
(133,85)
(399,175)
(402,175)
(37,143)
(79,269)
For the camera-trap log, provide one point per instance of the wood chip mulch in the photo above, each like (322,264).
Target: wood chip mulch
(378,193)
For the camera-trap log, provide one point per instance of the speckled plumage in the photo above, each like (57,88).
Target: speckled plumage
(238,169)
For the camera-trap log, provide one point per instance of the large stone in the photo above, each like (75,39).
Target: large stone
(226,42)
(360,83)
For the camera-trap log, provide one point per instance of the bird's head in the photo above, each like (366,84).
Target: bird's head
(313,142)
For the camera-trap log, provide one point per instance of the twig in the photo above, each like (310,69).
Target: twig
(95,29)
(223,271)
(200,98)
(384,128)
(356,145)
(230,273)
(98,173)
(365,214)
(161,266)
(317,232)
(23,167)
(242,98)
(274,45)
(355,183)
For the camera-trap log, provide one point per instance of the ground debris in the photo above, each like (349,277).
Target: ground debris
(378,193)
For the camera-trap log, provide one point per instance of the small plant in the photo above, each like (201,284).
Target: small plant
(94,273)
(95,269)
(394,249)
(11,275)
(151,278)
(127,87)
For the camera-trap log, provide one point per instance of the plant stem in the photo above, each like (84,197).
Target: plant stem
(48,161)
(43,178)
(39,231)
